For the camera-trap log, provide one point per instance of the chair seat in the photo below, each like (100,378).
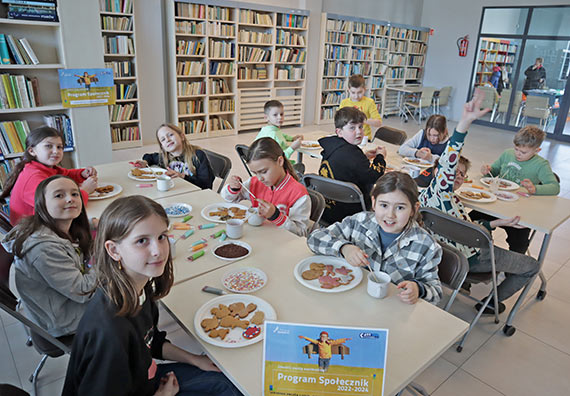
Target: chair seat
(479,277)
(45,347)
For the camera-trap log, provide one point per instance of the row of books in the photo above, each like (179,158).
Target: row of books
(62,123)
(409,34)
(220,124)
(413,73)
(189,88)
(6,167)
(221,68)
(18,91)
(292,20)
(37,10)
(343,26)
(398,46)
(382,30)
(285,37)
(327,113)
(117,23)
(122,6)
(219,13)
(221,49)
(254,17)
(363,68)
(246,36)
(381,55)
(378,82)
(332,98)
(379,68)
(362,27)
(361,54)
(219,86)
(221,29)
(193,126)
(334,83)
(121,68)
(395,72)
(397,59)
(186,10)
(119,45)
(190,68)
(336,52)
(189,47)
(381,42)
(258,72)
(417,48)
(218,105)
(189,27)
(18,51)
(253,54)
(335,69)
(289,72)
(290,55)
(416,60)
(191,107)
(122,112)
(125,134)
(126,91)
(338,37)
(362,40)
(13,136)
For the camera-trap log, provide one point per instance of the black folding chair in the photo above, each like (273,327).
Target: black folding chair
(221,165)
(243,151)
(452,271)
(391,135)
(317,208)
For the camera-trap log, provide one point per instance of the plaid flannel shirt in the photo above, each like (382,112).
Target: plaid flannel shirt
(413,256)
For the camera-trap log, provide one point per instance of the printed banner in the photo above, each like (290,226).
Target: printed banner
(307,360)
(86,87)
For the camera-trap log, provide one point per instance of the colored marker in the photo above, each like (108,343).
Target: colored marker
(181,226)
(218,234)
(199,241)
(198,247)
(144,185)
(224,236)
(204,226)
(185,219)
(187,234)
(196,255)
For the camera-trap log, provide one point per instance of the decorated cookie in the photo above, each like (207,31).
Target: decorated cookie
(251,332)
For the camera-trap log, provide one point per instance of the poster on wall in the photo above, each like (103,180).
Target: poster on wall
(307,360)
(86,87)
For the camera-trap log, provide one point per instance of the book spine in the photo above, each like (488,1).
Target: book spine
(32,17)
(4,54)
(16,92)
(38,3)
(28,48)
(5,143)
(15,54)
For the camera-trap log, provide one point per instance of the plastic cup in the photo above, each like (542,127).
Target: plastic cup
(378,284)
(234,228)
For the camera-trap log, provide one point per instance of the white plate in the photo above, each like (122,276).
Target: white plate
(249,274)
(492,197)
(234,339)
(182,208)
(214,207)
(422,163)
(507,196)
(509,184)
(309,145)
(117,189)
(151,178)
(245,245)
(304,265)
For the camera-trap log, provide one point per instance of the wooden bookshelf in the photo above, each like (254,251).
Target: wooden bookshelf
(493,52)
(378,50)
(118,34)
(248,60)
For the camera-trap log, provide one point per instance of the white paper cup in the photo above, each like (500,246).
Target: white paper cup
(164,183)
(254,218)
(234,228)
(378,282)
(172,248)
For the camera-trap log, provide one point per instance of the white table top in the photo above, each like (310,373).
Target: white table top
(418,334)
(116,172)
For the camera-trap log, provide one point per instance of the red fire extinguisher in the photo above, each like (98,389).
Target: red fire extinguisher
(463,45)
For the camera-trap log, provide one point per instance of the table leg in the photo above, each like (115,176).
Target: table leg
(299,157)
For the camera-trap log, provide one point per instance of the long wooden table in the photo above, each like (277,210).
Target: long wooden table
(117,172)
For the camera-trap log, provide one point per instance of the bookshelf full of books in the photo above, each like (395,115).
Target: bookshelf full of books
(118,33)
(250,55)
(386,54)
(494,52)
(31,52)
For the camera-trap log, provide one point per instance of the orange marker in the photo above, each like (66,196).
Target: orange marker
(198,247)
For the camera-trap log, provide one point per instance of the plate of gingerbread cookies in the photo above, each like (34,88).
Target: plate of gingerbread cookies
(105,190)
(221,212)
(327,274)
(145,174)
(233,321)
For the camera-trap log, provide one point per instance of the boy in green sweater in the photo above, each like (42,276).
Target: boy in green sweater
(274,115)
(523,166)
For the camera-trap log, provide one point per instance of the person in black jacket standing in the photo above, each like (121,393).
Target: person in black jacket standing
(535,76)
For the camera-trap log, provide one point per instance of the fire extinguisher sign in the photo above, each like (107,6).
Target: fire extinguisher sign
(463,45)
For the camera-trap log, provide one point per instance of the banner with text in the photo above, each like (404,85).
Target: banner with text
(307,360)
(86,87)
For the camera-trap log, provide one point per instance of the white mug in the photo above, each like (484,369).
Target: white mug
(411,170)
(164,183)
(254,218)
(234,228)
(378,284)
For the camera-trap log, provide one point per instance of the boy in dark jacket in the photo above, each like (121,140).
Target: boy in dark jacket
(343,160)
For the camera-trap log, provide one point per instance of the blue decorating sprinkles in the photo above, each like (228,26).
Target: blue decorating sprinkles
(177,210)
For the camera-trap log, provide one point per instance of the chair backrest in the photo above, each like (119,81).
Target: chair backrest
(453,268)
(427,96)
(299,167)
(317,207)
(444,94)
(536,106)
(455,229)
(391,135)
(517,102)
(504,100)
(221,166)
(6,260)
(490,95)
(11,390)
(335,190)
(243,151)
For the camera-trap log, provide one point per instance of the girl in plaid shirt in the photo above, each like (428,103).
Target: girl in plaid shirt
(388,239)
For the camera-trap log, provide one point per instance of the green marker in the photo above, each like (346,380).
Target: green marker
(196,255)
(218,234)
(188,217)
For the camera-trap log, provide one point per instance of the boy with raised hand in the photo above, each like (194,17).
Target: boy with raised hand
(343,160)
(274,115)
(524,166)
(356,98)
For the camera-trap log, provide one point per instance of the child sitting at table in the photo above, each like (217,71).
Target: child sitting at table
(44,151)
(117,340)
(428,143)
(356,98)
(388,239)
(274,115)
(523,166)
(181,158)
(344,160)
(274,189)
(51,249)
(451,172)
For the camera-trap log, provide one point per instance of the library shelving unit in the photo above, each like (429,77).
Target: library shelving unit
(118,32)
(383,52)
(236,57)
(493,52)
(45,38)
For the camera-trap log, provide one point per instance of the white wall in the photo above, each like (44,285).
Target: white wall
(398,11)
(450,20)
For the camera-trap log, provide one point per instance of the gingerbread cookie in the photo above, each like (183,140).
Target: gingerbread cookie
(317,266)
(258,318)
(209,324)
(222,333)
(232,322)
(221,311)
(239,309)
(311,274)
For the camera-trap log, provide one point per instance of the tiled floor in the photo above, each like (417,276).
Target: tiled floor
(535,361)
